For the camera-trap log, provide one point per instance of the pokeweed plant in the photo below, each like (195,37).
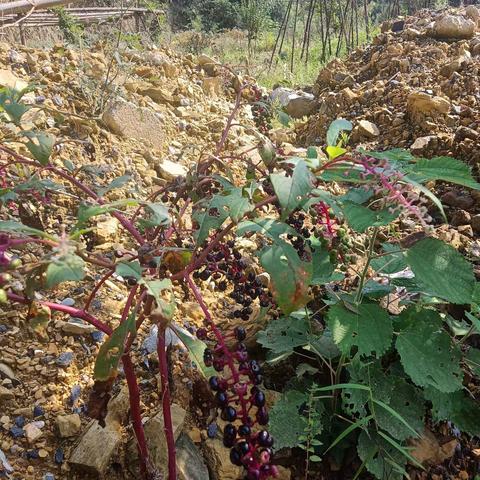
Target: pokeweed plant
(303,231)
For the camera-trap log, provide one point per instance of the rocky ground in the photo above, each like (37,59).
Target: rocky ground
(416,86)
(151,114)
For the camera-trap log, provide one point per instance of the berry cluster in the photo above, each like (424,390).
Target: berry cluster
(225,263)
(262,115)
(242,403)
(296,221)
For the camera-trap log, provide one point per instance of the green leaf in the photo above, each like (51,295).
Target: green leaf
(472,359)
(392,263)
(286,422)
(40,146)
(373,449)
(323,345)
(290,275)
(195,349)
(435,265)
(358,424)
(323,268)
(16,111)
(156,214)
(85,211)
(457,408)
(283,335)
(16,227)
(448,169)
(403,416)
(427,353)
(68,267)
(284,118)
(335,152)
(111,351)
(115,183)
(395,155)
(155,288)
(360,218)
(312,152)
(129,269)
(401,449)
(428,193)
(210,214)
(335,128)
(292,191)
(370,329)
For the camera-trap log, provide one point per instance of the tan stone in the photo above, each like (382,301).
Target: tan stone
(68,425)
(367,129)
(454,27)
(423,103)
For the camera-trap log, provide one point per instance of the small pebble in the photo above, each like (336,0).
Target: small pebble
(68,302)
(38,411)
(3,329)
(49,476)
(40,99)
(212,430)
(97,336)
(32,454)
(17,432)
(59,456)
(75,393)
(20,421)
(64,359)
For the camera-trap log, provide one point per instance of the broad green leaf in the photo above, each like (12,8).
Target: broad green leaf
(284,335)
(323,345)
(360,218)
(323,268)
(403,450)
(156,288)
(312,152)
(16,111)
(156,214)
(335,128)
(210,214)
(284,118)
(402,416)
(358,424)
(447,169)
(373,449)
(85,211)
(290,275)
(68,267)
(370,330)
(195,349)
(427,353)
(292,191)
(458,408)
(286,422)
(395,155)
(40,146)
(472,359)
(11,226)
(436,264)
(392,263)
(111,351)
(131,269)
(115,183)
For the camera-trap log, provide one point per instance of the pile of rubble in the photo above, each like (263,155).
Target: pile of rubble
(416,86)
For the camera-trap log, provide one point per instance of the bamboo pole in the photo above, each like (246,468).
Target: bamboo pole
(20,6)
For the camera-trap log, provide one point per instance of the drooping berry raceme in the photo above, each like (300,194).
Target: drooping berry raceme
(236,386)
(388,183)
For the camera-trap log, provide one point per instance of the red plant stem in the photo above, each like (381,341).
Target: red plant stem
(221,343)
(135,413)
(223,139)
(167,414)
(97,288)
(127,224)
(74,312)
(128,304)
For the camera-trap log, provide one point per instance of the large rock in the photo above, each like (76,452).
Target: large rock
(190,464)
(473,13)
(367,129)
(453,27)
(128,120)
(8,79)
(98,445)
(218,460)
(424,104)
(296,103)
(169,170)
(159,95)
(156,441)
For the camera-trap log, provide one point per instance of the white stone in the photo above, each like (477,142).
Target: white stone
(169,170)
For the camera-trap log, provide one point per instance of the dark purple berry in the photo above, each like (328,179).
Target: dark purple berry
(213,382)
(253,474)
(262,416)
(202,333)
(235,456)
(259,399)
(244,430)
(229,414)
(244,447)
(230,430)
(222,399)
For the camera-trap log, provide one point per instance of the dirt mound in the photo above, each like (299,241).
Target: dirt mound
(416,86)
